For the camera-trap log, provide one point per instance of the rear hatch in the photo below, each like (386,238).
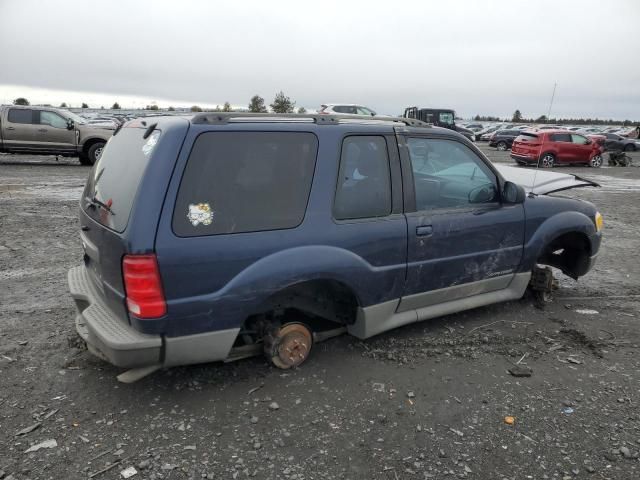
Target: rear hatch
(527,144)
(106,205)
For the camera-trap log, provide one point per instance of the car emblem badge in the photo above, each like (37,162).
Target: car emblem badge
(200,213)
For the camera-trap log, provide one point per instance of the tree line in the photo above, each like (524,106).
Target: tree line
(517,117)
(281,104)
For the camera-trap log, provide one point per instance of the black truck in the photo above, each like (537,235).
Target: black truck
(440,117)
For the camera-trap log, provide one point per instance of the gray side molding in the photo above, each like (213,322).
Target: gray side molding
(199,348)
(384,316)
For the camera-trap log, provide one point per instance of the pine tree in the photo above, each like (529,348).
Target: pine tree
(282,103)
(256,105)
(517,116)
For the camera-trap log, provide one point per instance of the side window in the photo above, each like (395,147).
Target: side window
(560,137)
(446,118)
(340,109)
(364,111)
(20,115)
(238,182)
(52,119)
(447,174)
(364,180)
(579,139)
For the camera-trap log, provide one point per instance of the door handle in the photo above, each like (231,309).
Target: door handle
(43,130)
(424,230)
(10,128)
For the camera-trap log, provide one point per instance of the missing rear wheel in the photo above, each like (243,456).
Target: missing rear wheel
(288,346)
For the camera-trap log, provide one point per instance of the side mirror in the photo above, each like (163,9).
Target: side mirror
(482,194)
(70,124)
(512,193)
(373,114)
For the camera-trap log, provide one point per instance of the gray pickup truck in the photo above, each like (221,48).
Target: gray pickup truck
(50,131)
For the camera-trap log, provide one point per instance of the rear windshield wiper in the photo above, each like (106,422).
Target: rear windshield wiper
(94,202)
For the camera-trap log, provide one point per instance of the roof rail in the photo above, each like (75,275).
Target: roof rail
(222,118)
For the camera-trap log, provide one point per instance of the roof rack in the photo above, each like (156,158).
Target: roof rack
(217,118)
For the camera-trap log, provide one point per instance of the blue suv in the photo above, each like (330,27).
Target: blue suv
(221,236)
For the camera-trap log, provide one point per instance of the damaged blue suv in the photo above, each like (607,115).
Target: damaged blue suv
(221,236)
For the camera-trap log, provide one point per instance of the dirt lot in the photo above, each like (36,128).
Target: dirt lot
(425,401)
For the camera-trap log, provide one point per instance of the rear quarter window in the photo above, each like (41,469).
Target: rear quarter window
(114,180)
(560,137)
(237,182)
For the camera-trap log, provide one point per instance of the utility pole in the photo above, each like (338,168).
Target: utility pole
(551,102)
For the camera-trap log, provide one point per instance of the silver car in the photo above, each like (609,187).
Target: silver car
(346,109)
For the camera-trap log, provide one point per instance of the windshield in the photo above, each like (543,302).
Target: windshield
(76,118)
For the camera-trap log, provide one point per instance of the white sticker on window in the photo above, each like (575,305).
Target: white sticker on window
(147,148)
(200,213)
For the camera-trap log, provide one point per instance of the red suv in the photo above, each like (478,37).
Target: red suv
(552,147)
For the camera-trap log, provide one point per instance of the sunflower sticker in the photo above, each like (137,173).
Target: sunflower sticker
(200,214)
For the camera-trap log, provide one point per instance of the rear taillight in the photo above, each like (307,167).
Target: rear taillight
(145,297)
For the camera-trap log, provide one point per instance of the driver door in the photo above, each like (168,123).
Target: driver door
(52,133)
(461,240)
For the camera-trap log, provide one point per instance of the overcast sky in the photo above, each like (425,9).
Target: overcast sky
(476,57)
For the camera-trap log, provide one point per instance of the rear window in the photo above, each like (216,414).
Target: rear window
(20,115)
(114,180)
(238,182)
(526,137)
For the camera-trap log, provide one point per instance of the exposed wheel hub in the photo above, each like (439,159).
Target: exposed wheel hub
(289,345)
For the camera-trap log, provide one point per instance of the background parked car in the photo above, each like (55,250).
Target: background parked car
(345,109)
(51,131)
(475,127)
(502,139)
(589,130)
(549,148)
(484,135)
(617,142)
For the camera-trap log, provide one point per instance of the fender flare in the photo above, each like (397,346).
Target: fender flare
(552,228)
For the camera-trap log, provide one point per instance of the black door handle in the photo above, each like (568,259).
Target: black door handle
(43,130)
(10,128)
(424,230)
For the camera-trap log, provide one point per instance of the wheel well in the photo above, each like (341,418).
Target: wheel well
(569,252)
(89,143)
(322,304)
(327,299)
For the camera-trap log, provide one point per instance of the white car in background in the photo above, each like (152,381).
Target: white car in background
(345,109)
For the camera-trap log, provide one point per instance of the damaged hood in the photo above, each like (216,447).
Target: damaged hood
(545,180)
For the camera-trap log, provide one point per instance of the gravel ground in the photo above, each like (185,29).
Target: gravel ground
(425,401)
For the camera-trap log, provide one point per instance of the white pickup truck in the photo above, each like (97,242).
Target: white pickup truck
(50,131)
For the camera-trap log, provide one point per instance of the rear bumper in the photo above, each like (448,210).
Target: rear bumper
(524,158)
(115,341)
